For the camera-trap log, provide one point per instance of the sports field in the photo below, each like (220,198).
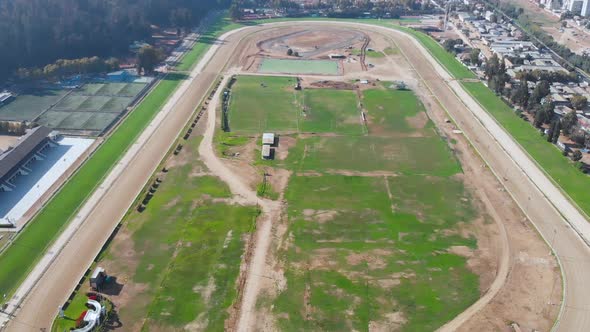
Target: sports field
(92,108)
(373,214)
(331,111)
(262,103)
(287,66)
(373,251)
(29,105)
(270,103)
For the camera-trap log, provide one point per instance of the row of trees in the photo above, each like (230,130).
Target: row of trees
(35,33)
(539,103)
(338,8)
(12,128)
(495,72)
(62,68)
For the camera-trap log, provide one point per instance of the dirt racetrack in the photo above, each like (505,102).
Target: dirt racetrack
(511,302)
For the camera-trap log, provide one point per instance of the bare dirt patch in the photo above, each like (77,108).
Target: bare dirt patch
(7,141)
(418,121)
(332,85)
(523,297)
(371,258)
(391,322)
(285,143)
(320,216)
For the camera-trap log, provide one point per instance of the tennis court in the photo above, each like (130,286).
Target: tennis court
(28,106)
(90,88)
(70,102)
(132,89)
(89,110)
(286,66)
(111,89)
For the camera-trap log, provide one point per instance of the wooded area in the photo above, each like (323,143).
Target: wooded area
(38,32)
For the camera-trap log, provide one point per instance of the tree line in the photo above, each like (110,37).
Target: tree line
(35,33)
(339,8)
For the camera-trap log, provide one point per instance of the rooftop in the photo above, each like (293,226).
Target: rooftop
(26,144)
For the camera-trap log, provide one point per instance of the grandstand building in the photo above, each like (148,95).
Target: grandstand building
(16,160)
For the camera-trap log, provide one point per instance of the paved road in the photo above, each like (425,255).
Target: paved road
(511,165)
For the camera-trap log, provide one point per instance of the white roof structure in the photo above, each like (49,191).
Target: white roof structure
(268,138)
(4,96)
(266,151)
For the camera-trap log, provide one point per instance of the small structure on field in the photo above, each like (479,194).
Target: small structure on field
(266,152)
(268,138)
(97,278)
(336,56)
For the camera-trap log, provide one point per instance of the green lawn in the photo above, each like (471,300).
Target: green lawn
(390,109)
(331,111)
(286,66)
(364,262)
(559,168)
(29,246)
(368,250)
(405,155)
(263,103)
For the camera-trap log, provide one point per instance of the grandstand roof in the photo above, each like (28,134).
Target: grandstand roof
(11,158)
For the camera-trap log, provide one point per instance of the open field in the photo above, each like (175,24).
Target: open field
(367,252)
(261,103)
(287,66)
(446,59)
(353,263)
(371,220)
(408,155)
(172,275)
(331,111)
(392,110)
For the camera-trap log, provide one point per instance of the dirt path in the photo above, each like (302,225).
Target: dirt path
(270,211)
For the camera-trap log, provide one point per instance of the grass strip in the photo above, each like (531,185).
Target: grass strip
(562,171)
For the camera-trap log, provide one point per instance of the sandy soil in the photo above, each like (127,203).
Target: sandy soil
(6,141)
(574,37)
